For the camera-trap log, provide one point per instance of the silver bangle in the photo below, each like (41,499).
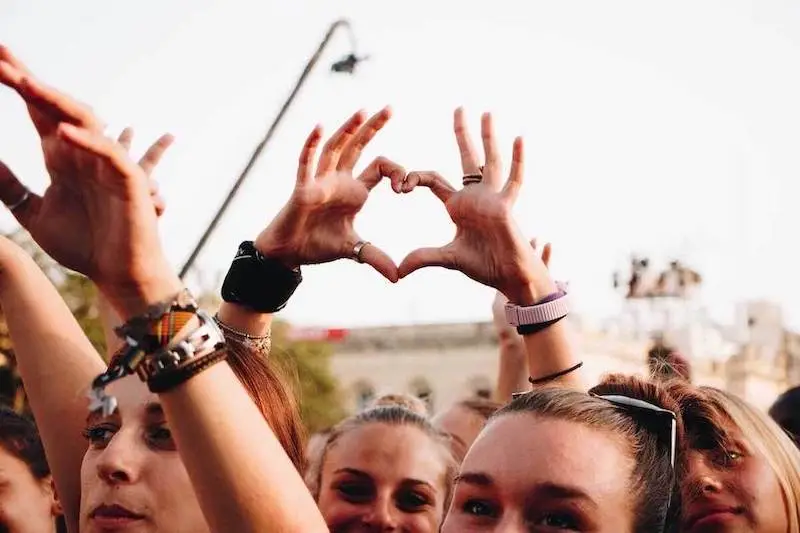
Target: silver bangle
(261,343)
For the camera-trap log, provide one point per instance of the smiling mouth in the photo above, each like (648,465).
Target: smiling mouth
(712,515)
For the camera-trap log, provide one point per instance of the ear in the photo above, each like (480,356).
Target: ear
(50,488)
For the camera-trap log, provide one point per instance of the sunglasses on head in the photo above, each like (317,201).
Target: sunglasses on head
(635,406)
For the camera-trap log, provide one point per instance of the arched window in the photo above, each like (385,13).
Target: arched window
(420,388)
(364,394)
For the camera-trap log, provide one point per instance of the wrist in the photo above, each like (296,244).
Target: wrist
(530,293)
(132,298)
(269,247)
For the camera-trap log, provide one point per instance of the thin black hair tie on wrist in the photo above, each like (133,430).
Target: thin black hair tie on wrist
(554,376)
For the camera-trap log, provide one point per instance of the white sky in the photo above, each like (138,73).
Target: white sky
(667,128)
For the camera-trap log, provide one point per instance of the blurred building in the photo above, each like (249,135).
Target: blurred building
(754,358)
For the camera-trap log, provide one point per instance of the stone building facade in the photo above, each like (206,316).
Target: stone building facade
(445,363)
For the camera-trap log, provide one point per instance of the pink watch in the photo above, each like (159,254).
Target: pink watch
(553,308)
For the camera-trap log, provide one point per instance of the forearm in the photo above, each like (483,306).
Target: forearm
(57,363)
(243,478)
(513,370)
(243,484)
(110,320)
(550,350)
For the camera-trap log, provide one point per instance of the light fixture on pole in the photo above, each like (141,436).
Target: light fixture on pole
(346,65)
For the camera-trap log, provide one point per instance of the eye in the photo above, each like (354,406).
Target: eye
(727,458)
(160,437)
(100,435)
(562,521)
(480,508)
(355,492)
(412,501)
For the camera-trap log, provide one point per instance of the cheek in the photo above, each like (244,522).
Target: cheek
(338,512)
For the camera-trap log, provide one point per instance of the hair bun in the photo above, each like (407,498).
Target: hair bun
(406,401)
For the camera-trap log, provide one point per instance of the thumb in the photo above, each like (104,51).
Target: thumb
(425,257)
(546,253)
(13,194)
(380,261)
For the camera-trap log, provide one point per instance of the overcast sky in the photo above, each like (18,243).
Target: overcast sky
(665,128)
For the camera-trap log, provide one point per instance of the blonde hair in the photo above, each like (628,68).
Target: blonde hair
(766,436)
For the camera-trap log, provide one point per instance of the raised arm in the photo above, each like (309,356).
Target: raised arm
(56,362)
(490,249)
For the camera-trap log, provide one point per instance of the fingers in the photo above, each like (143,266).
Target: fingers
(306,161)
(432,180)
(548,249)
(8,57)
(333,148)
(57,105)
(153,155)
(382,167)
(425,257)
(126,138)
(491,175)
(95,144)
(470,163)
(514,183)
(354,147)
(12,192)
(380,261)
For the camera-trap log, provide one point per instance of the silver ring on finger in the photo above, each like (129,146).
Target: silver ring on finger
(358,249)
(19,203)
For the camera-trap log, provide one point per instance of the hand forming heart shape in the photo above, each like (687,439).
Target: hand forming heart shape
(316,224)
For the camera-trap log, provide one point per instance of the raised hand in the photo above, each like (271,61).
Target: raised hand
(69,220)
(149,162)
(488,246)
(316,224)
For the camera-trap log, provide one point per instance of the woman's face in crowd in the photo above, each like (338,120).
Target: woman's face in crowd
(383,478)
(27,504)
(132,478)
(560,476)
(733,490)
(462,425)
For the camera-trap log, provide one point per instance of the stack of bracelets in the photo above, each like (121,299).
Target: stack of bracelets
(166,346)
(174,341)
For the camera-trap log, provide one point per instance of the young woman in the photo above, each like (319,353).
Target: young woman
(743,470)
(563,460)
(28,502)
(385,469)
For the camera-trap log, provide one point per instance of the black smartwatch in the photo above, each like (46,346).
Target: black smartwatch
(258,282)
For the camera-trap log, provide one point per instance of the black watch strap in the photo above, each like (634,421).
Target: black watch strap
(258,282)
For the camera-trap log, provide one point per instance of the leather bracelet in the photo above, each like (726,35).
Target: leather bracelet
(169,380)
(530,329)
(551,377)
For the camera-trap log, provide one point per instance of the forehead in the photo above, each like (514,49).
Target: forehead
(387,453)
(11,467)
(133,397)
(550,451)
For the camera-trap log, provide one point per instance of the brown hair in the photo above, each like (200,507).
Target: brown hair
(273,396)
(391,415)
(483,407)
(653,480)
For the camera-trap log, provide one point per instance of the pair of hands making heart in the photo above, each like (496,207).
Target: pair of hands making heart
(99,214)
(316,224)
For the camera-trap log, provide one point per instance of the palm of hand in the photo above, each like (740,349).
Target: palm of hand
(323,221)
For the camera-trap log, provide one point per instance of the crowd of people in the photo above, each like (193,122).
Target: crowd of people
(190,428)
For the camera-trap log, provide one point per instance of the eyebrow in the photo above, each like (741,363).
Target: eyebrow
(564,492)
(475,478)
(360,473)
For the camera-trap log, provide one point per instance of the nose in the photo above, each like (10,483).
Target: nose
(382,516)
(120,461)
(701,476)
